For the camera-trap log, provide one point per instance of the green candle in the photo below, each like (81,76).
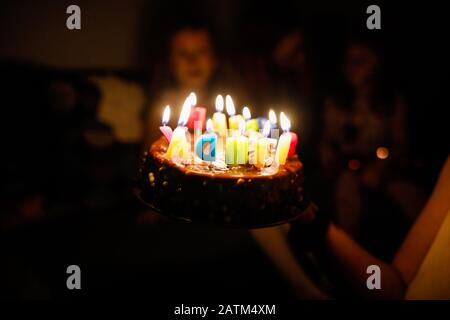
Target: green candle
(230,150)
(236,148)
(242,150)
(251,124)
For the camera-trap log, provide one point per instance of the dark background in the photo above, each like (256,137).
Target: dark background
(117,255)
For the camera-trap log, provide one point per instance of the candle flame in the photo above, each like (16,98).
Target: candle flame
(246,113)
(230,105)
(219,103)
(193,98)
(272,117)
(166,115)
(241,126)
(266,129)
(284,122)
(209,125)
(185,111)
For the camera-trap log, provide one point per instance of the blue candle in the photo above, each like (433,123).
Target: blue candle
(205,146)
(261,121)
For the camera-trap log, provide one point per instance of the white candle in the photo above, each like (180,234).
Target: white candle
(273,119)
(242,145)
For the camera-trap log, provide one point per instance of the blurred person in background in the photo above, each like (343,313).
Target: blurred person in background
(290,72)
(189,64)
(277,68)
(290,68)
(363,152)
(280,73)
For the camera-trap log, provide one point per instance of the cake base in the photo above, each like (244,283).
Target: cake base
(241,196)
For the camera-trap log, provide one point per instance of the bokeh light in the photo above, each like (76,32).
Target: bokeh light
(382,153)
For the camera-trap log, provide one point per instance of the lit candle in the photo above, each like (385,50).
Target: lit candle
(165,129)
(219,119)
(197,116)
(233,120)
(236,150)
(179,146)
(265,148)
(205,146)
(251,124)
(284,142)
(273,119)
(261,121)
(293,146)
(242,145)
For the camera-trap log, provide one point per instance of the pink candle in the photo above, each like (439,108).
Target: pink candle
(293,145)
(166,130)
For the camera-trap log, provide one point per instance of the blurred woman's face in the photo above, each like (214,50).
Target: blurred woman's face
(192,58)
(360,65)
(289,52)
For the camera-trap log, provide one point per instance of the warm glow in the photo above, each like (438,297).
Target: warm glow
(209,125)
(230,105)
(219,103)
(241,126)
(284,122)
(382,153)
(354,164)
(272,117)
(166,115)
(186,111)
(266,129)
(246,113)
(193,98)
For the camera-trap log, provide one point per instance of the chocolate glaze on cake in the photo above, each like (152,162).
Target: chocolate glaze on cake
(211,193)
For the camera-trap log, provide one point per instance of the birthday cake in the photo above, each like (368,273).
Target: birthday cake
(240,196)
(241,180)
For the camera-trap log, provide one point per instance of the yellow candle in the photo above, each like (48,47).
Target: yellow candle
(233,120)
(251,124)
(219,119)
(265,148)
(179,146)
(284,142)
